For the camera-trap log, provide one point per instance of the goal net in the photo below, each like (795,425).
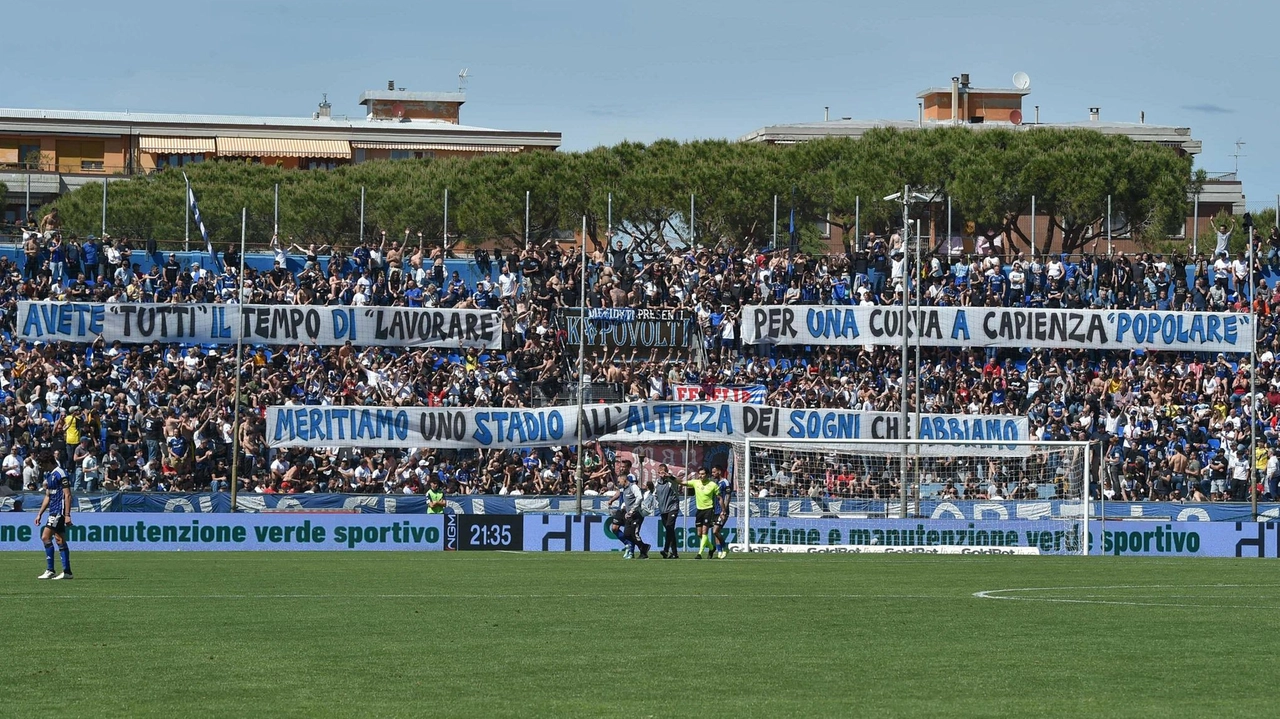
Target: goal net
(918,496)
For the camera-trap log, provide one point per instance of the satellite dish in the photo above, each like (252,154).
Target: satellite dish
(1021,80)
(1015,117)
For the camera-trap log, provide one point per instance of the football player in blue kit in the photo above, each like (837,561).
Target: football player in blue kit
(57,500)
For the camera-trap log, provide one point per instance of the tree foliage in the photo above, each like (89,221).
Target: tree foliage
(990,175)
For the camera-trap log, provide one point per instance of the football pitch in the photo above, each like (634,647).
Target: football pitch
(498,634)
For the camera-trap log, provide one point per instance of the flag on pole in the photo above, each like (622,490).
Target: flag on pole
(195,213)
(795,239)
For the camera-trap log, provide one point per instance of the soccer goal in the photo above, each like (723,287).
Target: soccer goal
(917,496)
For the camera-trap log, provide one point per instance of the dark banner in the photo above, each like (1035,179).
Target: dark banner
(639,332)
(672,455)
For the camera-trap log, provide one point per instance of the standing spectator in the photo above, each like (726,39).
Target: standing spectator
(89,254)
(172,268)
(57,259)
(435,496)
(1223,238)
(89,470)
(50,223)
(12,468)
(1272,474)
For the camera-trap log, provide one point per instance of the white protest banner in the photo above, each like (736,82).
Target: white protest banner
(502,428)
(999,327)
(261,324)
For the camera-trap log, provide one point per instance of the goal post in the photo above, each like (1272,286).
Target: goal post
(961,497)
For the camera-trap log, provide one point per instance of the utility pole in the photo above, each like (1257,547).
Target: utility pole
(186,227)
(1195,223)
(582,359)
(775,227)
(857,222)
(1108,224)
(235,396)
(904,419)
(1253,374)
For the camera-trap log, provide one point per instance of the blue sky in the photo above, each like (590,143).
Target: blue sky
(601,72)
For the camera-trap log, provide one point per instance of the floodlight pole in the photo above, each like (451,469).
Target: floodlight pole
(104,208)
(445,240)
(275,213)
(362,214)
(526,220)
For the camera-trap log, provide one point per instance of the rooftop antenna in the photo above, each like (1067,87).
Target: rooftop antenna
(462,78)
(1021,80)
(1237,155)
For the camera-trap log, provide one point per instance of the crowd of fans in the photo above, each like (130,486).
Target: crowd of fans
(1170,426)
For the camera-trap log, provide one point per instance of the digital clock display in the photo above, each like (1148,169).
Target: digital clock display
(478,531)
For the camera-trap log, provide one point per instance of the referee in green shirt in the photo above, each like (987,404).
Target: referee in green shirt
(704,495)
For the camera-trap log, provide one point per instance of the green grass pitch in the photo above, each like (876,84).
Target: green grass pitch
(492,635)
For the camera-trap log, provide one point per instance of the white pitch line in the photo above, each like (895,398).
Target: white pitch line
(995,594)
(610,595)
